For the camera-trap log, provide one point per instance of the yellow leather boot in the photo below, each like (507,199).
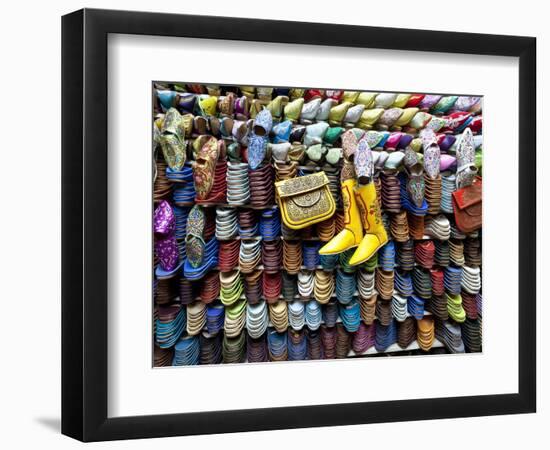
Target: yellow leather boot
(352,233)
(375,233)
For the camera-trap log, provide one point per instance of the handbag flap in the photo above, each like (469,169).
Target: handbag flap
(468,196)
(301,185)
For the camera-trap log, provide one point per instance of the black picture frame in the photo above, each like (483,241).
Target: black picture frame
(84,224)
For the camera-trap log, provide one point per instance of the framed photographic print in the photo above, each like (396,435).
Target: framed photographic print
(276,225)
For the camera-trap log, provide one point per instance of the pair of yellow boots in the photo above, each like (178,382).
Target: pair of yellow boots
(362,212)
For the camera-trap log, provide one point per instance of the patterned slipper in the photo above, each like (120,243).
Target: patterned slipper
(204,168)
(194,241)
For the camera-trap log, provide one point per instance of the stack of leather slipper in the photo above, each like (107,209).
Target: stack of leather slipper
(297,345)
(314,345)
(328,262)
(405,255)
(211,348)
(165,292)
(471,335)
(215,316)
(333,175)
(289,234)
(238,187)
(210,287)
(384,312)
(313,315)
(229,255)
(442,255)
(343,342)
(471,279)
(384,283)
(406,332)
(469,304)
(218,194)
(262,189)
(451,336)
(235,318)
(456,233)
(296,314)
(363,339)
(285,171)
(330,313)
(183,194)
(257,319)
(272,255)
(399,307)
(454,307)
(452,279)
(250,255)
(424,252)
(346,285)
(400,227)
(248,224)
(391,192)
(328,339)
(403,283)
(162,356)
(253,290)
(272,284)
(196,317)
(365,284)
(323,286)
(368,309)
(278,314)
(344,261)
(351,315)
(277,344)
(234,349)
(433,193)
(187,351)
(170,324)
(162,186)
(227,226)
(448,186)
(437,305)
(290,286)
(326,229)
(181,222)
(416,226)
(305,283)
(456,252)
(270,224)
(472,252)
(256,350)
(310,253)
(437,277)
(438,227)
(231,287)
(178,177)
(210,224)
(426,333)
(386,335)
(422,282)
(292,256)
(386,257)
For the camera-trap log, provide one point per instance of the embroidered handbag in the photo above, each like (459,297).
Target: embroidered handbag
(305,200)
(467,207)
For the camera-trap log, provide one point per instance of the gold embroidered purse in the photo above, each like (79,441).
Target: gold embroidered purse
(305,200)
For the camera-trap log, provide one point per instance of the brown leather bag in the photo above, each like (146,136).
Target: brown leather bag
(467,207)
